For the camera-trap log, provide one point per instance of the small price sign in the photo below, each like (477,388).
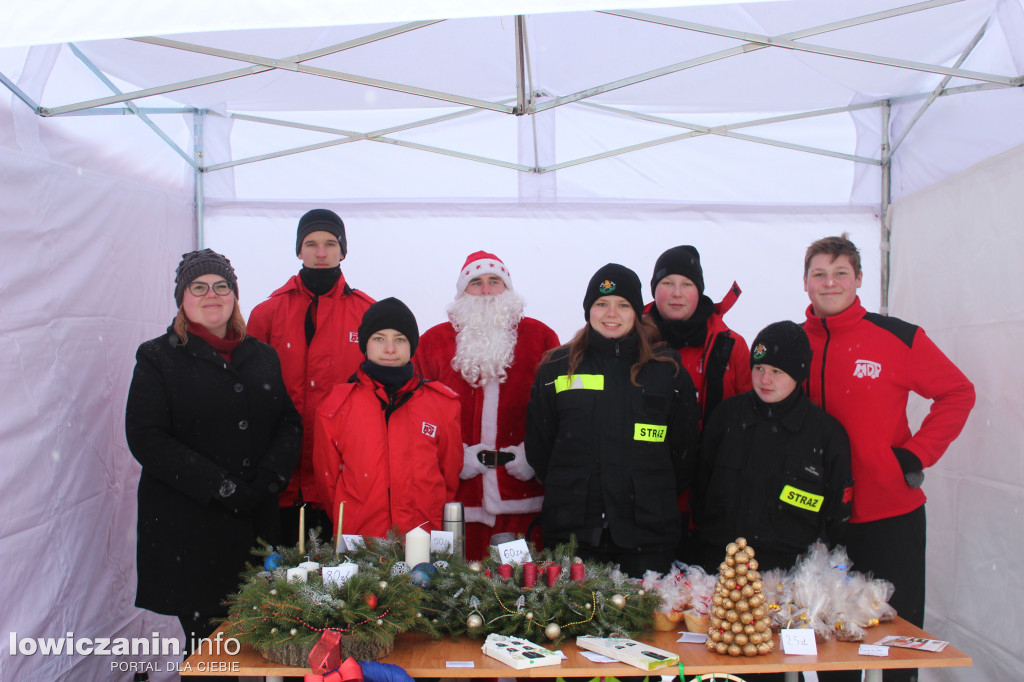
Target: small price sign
(442,541)
(339,574)
(515,552)
(799,642)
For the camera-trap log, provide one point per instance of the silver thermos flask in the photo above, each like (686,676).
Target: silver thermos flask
(455,521)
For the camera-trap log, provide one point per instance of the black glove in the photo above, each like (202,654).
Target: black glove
(265,483)
(911,467)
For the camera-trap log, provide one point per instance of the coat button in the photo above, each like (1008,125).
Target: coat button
(246,462)
(239,388)
(243,425)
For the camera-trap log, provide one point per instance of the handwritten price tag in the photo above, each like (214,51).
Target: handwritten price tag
(339,574)
(799,642)
(442,541)
(873,650)
(515,552)
(354,541)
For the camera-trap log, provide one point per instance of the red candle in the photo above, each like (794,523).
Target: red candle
(576,572)
(529,574)
(553,571)
(505,571)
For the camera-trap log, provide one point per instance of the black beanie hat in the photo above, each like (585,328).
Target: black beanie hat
(198,263)
(783,345)
(614,280)
(679,260)
(321,219)
(389,314)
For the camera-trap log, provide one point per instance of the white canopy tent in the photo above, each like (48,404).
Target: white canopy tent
(559,136)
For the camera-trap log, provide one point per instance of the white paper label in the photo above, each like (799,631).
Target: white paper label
(337,575)
(354,541)
(459,664)
(692,637)
(873,650)
(515,552)
(442,541)
(799,642)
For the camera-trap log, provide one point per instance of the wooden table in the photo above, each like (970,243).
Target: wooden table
(423,657)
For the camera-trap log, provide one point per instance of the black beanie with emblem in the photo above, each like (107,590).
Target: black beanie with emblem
(198,263)
(389,314)
(783,345)
(679,260)
(321,220)
(614,280)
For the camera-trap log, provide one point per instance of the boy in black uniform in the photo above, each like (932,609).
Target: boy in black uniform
(774,467)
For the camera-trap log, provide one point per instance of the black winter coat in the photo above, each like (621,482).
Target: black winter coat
(611,454)
(191,420)
(778,475)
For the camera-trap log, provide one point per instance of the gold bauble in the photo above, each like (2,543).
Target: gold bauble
(618,601)
(474,621)
(735,650)
(552,631)
(750,650)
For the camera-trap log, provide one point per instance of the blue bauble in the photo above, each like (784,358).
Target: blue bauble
(422,575)
(272,562)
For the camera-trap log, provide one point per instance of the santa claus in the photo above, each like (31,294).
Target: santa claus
(488,353)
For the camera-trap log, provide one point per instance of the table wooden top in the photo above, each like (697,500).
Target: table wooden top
(423,657)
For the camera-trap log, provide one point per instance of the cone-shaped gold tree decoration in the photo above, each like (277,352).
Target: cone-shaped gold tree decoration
(740,624)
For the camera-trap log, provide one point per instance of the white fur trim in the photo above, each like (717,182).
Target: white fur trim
(478,515)
(495,505)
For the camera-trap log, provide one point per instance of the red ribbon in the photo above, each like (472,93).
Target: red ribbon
(350,671)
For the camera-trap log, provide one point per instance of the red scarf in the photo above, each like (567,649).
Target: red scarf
(223,346)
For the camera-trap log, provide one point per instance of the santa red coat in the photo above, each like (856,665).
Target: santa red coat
(493,417)
(310,370)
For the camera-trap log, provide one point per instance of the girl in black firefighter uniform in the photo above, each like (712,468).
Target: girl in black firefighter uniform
(774,468)
(611,431)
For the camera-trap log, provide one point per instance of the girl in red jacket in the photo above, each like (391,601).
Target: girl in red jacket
(388,442)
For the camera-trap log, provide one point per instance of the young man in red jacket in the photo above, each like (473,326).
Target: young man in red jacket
(312,322)
(488,353)
(864,367)
(716,357)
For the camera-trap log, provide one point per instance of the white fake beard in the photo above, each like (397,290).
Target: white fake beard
(486,341)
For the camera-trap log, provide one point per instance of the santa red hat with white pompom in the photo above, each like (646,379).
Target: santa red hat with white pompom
(482,263)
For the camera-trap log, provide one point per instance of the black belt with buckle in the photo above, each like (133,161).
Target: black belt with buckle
(494,458)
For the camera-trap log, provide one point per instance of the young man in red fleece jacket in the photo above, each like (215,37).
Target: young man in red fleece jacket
(864,367)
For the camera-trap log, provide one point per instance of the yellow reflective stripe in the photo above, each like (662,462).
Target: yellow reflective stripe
(590,382)
(801,498)
(653,433)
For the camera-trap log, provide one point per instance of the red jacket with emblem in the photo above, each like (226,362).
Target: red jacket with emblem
(495,422)
(396,470)
(310,371)
(863,369)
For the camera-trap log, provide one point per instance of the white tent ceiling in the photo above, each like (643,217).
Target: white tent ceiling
(658,96)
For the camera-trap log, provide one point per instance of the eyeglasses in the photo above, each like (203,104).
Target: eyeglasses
(199,289)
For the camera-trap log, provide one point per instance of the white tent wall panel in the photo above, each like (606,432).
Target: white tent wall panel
(956,250)
(414,252)
(79,256)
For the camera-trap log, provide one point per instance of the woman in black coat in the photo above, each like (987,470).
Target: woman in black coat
(211,423)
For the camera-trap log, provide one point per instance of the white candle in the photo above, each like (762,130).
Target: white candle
(298,575)
(417,547)
(339,544)
(310,566)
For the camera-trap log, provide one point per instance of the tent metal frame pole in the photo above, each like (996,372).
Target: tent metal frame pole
(521,86)
(102,77)
(352,136)
(20,94)
(199,185)
(886,233)
(937,92)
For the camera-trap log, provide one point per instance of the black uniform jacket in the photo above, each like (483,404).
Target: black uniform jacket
(611,454)
(778,475)
(192,419)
